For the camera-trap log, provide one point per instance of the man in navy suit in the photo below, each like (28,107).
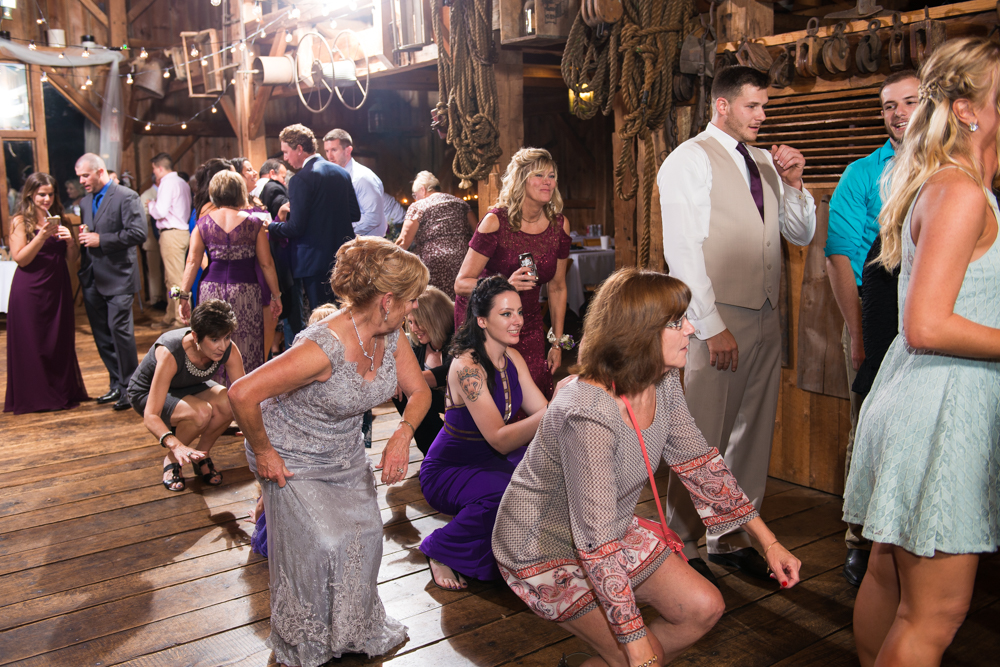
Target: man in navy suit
(115,224)
(319,216)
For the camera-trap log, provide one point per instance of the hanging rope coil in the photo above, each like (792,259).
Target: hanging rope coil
(467,89)
(638,59)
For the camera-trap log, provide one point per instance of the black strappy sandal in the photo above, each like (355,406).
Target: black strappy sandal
(175,478)
(207,476)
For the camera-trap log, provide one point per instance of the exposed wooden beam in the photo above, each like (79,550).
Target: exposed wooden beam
(175,156)
(138,8)
(96,11)
(82,104)
(229,109)
(193,129)
(264,94)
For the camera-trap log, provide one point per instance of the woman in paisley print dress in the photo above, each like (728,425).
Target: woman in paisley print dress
(301,413)
(235,242)
(439,226)
(526,218)
(566,538)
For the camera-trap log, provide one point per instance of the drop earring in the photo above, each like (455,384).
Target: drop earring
(385,318)
(973,126)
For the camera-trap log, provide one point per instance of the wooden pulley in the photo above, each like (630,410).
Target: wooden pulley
(869,54)
(752,54)
(836,50)
(684,87)
(783,70)
(607,11)
(925,36)
(587,12)
(725,59)
(807,51)
(897,44)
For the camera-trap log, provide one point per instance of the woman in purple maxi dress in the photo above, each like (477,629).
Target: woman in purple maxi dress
(42,369)
(470,462)
(233,257)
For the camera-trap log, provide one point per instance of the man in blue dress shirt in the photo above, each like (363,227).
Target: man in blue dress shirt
(339,148)
(854,211)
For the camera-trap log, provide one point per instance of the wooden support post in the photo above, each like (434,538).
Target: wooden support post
(264,94)
(252,144)
(626,242)
(118,35)
(745,18)
(510,95)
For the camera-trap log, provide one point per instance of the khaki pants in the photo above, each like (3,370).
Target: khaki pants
(154,275)
(853,537)
(173,250)
(735,412)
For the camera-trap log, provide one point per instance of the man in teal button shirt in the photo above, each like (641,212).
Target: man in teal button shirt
(854,211)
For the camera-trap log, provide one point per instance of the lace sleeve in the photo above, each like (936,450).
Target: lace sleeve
(320,334)
(587,452)
(718,498)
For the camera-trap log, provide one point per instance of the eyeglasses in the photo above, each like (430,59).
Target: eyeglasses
(676,324)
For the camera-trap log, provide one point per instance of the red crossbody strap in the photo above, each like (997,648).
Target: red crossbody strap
(645,455)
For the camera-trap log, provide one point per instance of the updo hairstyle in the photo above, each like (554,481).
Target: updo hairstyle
(470,336)
(369,266)
(212,318)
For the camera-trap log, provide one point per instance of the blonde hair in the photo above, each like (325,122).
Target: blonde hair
(227,188)
(426,180)
(435,314)
(321,312)
(526,163)
(368,266)
(958,69)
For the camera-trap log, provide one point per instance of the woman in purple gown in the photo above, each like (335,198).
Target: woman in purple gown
(470,463)
(235,242)
(527,218)
(42,370)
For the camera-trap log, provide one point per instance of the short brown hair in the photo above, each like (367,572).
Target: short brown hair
(340,135)
(299,135)
(163,160)
(623,327)
(896,77)
(368,266)
(729,82)
(214,318)
(227,188)
(435,314)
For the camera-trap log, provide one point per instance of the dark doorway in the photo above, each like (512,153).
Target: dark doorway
(64,127)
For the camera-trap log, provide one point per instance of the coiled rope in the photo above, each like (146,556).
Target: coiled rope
(638,59)
(467,88)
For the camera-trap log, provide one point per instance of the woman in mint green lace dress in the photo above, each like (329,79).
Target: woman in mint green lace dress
(923,479)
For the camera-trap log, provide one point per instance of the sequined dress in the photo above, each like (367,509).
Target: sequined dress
(232,277)
(503,248)
(442,237)
(926,464)
(324,530)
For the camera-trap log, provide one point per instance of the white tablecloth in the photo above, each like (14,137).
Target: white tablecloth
(6,277)
(589,267)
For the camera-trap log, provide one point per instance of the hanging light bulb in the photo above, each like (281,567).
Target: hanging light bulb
(234,47)
(143,54)
(128,78)
(214,110)
(216,3)
(333,24)
(263,34)
(88,82)
(45,77)
(288,38)
(184,126)
(149,126)
(294,14)
(32,46)
(40,21)
(166,74)
(83,87)
(243,46)
(86,52)
(62,55)
(232,82)
(194,51)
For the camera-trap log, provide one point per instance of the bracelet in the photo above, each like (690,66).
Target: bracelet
(769,547)
(177,293)
(651,661)
(403,421)
(565,341)
(164,437)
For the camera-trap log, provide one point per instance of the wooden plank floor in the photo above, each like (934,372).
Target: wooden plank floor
(100,565)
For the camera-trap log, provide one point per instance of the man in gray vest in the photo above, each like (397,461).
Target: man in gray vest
(725,207)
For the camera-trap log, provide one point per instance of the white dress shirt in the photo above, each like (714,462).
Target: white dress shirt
(368,188)
(257,189)
(172,207)
(685,182)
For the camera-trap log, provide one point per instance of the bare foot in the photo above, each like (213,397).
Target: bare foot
(445,577)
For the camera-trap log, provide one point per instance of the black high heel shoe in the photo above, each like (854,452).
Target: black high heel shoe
(206,477)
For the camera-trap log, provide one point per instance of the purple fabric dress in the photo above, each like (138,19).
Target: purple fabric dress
(42,370)
(232,277)
(503,247)
(462,475)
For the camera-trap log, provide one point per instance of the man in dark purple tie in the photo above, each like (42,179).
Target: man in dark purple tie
(725,207)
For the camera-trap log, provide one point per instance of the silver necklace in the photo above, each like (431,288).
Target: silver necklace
(198,372)
(370,357)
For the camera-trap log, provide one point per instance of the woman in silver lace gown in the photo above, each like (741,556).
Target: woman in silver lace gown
(301,414)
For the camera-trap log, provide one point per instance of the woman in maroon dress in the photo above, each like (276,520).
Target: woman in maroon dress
(42,370)
(527,218)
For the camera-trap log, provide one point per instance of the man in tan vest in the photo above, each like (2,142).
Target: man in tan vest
(725,207)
